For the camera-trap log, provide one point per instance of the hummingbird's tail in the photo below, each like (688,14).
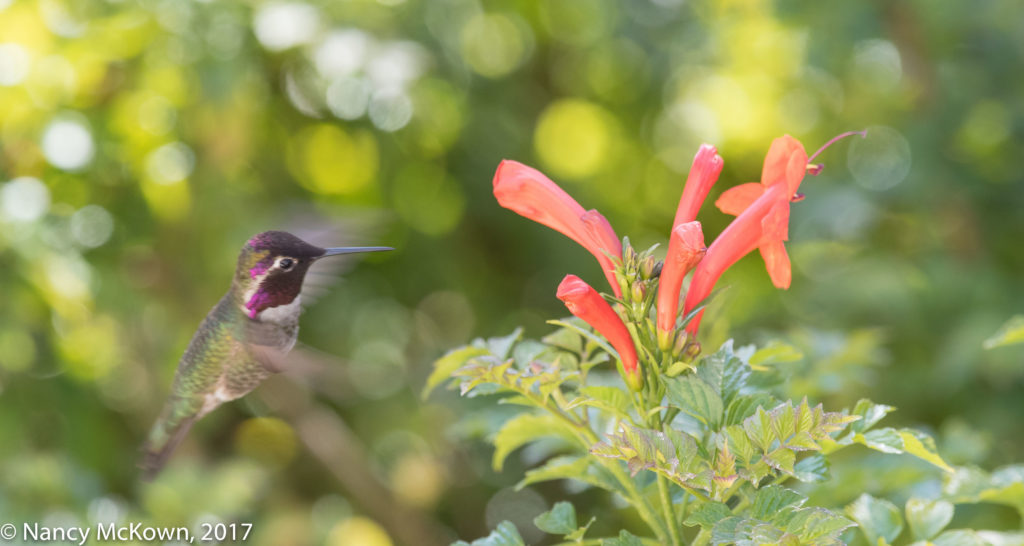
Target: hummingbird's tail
(168,431)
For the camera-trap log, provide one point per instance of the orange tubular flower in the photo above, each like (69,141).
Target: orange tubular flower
(763,223)
(707,165)
(527,192)
(585,303)
(685,250)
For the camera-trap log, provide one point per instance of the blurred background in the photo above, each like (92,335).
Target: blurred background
(143,141)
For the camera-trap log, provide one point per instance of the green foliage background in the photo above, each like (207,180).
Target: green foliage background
(205,122)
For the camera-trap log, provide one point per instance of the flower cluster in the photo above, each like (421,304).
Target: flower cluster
(669,340)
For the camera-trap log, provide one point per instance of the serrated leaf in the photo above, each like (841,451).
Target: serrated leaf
(1008,334)
(812,469)
(560,520)
(744,406)
(505,534)
(501,346)
(922,446)
(696,398)
(739,443)
(782,460)
(928,518)
(708,514)
(611,400)
(815,524)
(725,372)
(759,429)
(776,353)
(772,500)
(886,440)
(625,538)
(870,414)
(445,366)
(525,428)
(878,518)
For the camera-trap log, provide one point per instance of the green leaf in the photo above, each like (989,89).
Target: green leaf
(708,514)
(870,414)
(600,341)
(775,353)
(922,446)
(759,429)
(525,428)
(501,347)
(625,538)
(611,400)
(572,468)
(560,520)
(725,372)
(505,534)
(928,518)
(445,366)
(812,469)
(960,537)
(744,406)
(1010,333)
(879,519)
(1004,486)
(774,499)
(695,397)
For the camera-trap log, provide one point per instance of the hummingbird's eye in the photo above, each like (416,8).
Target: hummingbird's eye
(286,263)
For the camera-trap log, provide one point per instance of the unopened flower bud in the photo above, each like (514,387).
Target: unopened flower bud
(631,259)
(692,350)
(638,291)
(814,169)
(647,267)
(680,344)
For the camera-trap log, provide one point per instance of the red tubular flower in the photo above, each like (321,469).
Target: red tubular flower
(707,165)
(584,302)
(527,192)
(762,222)
(685,250)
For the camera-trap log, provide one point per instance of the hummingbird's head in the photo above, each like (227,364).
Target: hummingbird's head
(273,265)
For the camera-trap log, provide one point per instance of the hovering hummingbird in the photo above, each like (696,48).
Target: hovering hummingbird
(242,340)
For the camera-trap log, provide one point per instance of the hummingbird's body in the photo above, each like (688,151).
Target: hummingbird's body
(241,341)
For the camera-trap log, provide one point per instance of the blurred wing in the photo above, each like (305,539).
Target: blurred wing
(344,227)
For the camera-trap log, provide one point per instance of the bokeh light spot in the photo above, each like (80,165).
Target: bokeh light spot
(67,144)
(14,64)
(266,439)
(358,531)
(877,65)
(170,163)
(418,479)
(342,53)
(493,44)
(24,199)
(347,98)
(395,64)
(329,160)
(279,26)
(390,110)
(880,161)
(91,226)
(428,199)
(574,138)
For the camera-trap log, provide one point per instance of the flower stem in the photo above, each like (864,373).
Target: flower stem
(666,506)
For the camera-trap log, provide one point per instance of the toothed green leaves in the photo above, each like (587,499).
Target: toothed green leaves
(776,515)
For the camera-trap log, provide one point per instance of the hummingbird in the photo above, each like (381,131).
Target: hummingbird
(242,340)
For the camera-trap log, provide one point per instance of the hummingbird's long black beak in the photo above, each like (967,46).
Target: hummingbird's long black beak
(353,250)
